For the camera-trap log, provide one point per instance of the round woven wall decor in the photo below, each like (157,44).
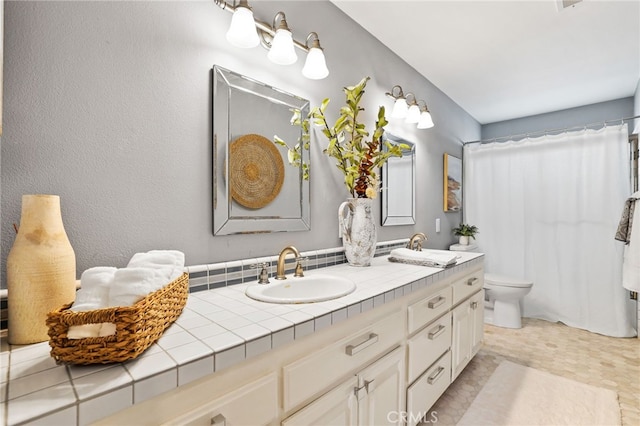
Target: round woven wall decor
(256,171)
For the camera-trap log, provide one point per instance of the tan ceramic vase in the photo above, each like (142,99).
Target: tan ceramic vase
(41,269)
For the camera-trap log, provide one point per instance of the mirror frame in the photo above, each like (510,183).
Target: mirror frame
(224,223)
(387,218)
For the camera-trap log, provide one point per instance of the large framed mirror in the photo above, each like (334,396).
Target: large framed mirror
(399,185)
(260,157)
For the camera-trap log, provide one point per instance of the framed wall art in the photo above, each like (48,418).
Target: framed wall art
(452,180)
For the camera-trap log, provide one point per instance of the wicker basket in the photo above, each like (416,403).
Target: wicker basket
(137,327)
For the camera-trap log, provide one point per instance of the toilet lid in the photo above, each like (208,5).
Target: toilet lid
(506,281)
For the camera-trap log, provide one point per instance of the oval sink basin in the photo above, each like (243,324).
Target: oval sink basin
(313,288)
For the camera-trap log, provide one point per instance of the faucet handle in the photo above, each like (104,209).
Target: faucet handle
(299,272)
(264,274)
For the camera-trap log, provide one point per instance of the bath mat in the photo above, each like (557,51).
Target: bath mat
(518,395)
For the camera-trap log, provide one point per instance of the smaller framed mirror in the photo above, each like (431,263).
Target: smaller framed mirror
(399,185)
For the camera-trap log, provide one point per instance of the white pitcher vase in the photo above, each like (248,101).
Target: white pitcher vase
(41,269)
(358,230)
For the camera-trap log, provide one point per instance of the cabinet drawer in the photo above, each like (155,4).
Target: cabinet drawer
(427,389)
(426,310)
(465,287)
(314,373)
(260,395)
(428,345)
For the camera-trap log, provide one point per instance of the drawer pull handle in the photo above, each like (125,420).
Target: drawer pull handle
(436,376)
(219,420)
(438,331)
(474,305)
(354,349)
(435,302)
(471,281)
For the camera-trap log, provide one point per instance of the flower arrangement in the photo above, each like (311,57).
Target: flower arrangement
(357,158)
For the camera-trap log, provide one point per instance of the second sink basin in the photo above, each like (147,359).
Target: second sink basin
(312,288)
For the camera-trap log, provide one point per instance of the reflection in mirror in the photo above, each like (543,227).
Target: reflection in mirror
(259,183)
(399,186)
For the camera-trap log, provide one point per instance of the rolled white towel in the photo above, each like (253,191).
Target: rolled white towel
(94,289)
(157,258)
(132,284)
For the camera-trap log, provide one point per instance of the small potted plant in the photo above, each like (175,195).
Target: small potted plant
(464,231)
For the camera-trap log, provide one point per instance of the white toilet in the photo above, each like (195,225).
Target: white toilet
(503,296)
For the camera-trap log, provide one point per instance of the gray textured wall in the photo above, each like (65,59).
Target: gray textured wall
(108,105)
(603,111)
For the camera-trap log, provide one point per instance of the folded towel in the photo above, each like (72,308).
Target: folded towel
(107,329)
(94,289)
(157,259)
(91,330)
(423,258)
(132,284)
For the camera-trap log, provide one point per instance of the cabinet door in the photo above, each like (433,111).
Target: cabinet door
(381,395)
(477,331)
(261,395)
(338,407)
(461,345)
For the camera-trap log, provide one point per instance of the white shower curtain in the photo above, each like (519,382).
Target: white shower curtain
(547,209)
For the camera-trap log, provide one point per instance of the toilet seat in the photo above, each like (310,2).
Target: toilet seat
(501,280)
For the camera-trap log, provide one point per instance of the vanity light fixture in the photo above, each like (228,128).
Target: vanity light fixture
(242,31)
(413,114)
(400,107)
(412,110)
(425,122)
(315,67)
(277,38)
(282,51)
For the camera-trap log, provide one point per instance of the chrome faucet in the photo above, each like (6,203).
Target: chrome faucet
(280,269)
(417,239)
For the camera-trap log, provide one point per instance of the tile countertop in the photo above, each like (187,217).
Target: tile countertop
(217,329)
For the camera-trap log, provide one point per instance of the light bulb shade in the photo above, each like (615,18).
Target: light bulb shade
(282,51)
(315,67)
(413,115)
(242,31)
(425,122)
(400,108)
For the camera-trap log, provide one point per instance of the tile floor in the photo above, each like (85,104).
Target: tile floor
(612,363)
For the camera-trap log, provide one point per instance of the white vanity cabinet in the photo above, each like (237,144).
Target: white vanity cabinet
(387,365)
(255,403)
(332,362)
(367,398)
(468,321)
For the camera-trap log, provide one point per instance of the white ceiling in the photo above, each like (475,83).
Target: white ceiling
(507,59)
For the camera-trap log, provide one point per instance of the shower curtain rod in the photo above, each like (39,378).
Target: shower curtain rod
(544,132)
